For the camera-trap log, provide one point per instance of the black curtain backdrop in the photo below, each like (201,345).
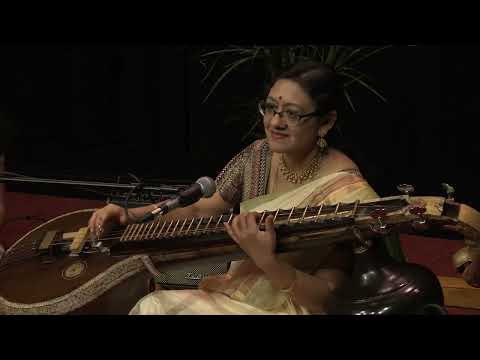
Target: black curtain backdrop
(102,110)
(97,110)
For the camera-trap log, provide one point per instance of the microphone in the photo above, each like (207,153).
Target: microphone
(203,187)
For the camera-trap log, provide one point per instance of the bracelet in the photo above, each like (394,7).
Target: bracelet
(292,285)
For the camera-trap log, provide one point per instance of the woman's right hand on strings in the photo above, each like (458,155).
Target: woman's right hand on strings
(102,220)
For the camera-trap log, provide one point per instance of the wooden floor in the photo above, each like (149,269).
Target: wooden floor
(25,211)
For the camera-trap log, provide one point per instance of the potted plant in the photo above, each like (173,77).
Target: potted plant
(219,64)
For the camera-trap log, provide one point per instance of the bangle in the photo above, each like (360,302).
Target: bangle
(292,285)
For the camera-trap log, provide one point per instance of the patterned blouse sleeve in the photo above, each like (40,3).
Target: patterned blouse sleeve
(229,181)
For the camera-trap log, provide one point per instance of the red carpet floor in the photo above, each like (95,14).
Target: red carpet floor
(26,211)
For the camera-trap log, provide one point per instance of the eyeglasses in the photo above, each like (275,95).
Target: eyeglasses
(292,117)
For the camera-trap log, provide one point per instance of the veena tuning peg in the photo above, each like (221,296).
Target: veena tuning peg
(449,190)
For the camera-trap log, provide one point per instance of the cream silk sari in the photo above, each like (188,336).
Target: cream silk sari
(245,289)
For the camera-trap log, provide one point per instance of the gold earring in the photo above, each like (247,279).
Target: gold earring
(322,144)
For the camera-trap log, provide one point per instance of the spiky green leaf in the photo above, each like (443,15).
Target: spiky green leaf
(347,96)
(343,61)
(232,66)
(366,56)
(364,84)
(224,51)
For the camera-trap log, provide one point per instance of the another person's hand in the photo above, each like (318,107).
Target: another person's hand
(259,245)
(471,274)
(102,220)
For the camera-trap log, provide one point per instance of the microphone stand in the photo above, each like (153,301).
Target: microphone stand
(165,191)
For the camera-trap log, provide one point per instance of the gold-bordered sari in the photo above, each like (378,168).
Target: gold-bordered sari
(245,289)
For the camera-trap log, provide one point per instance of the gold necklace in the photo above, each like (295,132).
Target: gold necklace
(296,178)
